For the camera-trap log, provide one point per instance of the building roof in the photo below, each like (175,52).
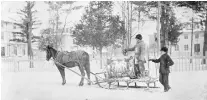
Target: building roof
(3,21)
(195,32)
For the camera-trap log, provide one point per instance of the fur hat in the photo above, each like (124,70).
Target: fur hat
(165,49)
(139,36)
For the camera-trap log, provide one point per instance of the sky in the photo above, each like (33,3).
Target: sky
(9,9)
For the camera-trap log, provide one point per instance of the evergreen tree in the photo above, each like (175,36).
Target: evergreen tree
(98,28)
(27,23)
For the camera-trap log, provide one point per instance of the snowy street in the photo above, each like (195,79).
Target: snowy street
(47,86)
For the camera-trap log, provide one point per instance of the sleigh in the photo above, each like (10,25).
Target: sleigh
(121,70)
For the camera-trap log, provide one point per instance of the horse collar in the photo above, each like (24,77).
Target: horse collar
(56,55)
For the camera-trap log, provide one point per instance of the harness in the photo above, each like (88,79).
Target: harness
(58,58)
(56,55)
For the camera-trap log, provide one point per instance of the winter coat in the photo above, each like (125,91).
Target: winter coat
(139,49)
(165,63)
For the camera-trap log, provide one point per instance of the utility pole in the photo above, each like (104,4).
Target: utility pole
(191,52)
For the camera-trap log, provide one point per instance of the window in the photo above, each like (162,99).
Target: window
(196,47)
(176,47)
(198,26)
(2,51)
(23,50)
(15,50)
(14,27)
(196,36)
(186,47)
(185,36)
(2,35)
(14,36)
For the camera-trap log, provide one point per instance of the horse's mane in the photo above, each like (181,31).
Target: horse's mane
(52,48)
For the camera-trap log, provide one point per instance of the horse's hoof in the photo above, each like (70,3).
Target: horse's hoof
(64,83)
(80,84)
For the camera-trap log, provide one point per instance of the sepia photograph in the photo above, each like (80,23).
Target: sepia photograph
(103,50)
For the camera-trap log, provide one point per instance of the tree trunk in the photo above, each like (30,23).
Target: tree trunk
(123,25)
(30,53)
(164,26)
(56,28)
(130,34)
(100,51)
(128,23)
(158,38)
(30,20)
(162,19)
(170,46)
(139,14)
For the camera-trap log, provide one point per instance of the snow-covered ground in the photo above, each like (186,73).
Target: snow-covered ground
(46,85)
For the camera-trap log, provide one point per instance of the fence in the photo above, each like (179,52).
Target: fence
(189,63)
(180,64)
(15,65)
(39,65)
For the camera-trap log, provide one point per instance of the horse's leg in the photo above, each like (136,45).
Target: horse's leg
(82,73)
(88,71)
(62,73)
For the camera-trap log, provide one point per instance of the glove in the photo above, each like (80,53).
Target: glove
(125,51)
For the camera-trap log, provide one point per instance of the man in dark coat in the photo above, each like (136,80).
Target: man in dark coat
(165,62)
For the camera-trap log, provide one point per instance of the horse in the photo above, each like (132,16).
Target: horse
(70,59)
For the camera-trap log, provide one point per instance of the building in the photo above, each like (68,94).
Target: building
(15,49)
(183,47)
(11,48)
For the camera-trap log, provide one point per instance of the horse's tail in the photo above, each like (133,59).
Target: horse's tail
(86,59)
(85,56)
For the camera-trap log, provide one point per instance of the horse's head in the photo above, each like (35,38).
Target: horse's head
(48,53)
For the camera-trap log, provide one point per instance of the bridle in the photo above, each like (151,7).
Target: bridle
(54,57)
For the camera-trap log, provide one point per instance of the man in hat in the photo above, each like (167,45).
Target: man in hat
(139,49)
(165,62)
